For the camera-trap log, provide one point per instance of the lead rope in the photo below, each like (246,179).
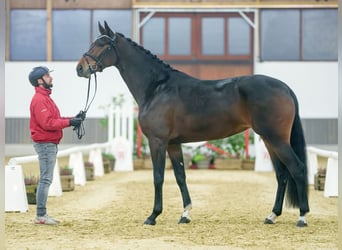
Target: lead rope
(80,131)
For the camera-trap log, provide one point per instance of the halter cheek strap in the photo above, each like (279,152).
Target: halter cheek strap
(98,66)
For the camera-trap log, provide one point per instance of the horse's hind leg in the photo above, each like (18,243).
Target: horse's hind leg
(282,177)
(176,156)
(297,180)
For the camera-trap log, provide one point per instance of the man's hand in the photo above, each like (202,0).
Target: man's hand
(76,121)
(81,115)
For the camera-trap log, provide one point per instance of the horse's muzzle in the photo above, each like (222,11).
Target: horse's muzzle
(81,72)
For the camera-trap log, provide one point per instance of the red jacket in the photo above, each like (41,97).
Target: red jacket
(46,123)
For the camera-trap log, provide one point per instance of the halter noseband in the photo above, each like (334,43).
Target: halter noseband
(98,59)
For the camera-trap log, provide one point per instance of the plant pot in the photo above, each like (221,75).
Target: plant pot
(148,163)
(248,164)
(67,182)
(89,171)
(107,166)
(31,191)
(203,164)
(138,163)
(228,164)
(112,164)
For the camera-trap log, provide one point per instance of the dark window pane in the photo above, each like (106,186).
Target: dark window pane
(239,36)
(118,20)
(28,35)
(320,34)
(280,35)
(153,33)
(212,36)
(179,36)
(70,33)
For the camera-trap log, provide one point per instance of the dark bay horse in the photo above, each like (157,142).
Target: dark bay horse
(176,108)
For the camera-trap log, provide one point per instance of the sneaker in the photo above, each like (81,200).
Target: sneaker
(45,220)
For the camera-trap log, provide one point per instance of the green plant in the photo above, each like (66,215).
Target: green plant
(108,156)
(31,180)
(234,145)
(66,171)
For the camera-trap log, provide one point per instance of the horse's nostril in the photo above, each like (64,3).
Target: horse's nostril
(79,69)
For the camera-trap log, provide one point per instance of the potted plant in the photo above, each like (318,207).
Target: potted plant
(67,179)
(89,170)
(200,157)
(235,148)
(108,162)
(31,183)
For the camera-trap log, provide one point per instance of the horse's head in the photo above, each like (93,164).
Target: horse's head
(102,53)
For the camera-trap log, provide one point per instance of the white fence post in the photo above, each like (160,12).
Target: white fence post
(15,191)
(77,164)
(95,156)
(56,186)
(120,135)
(331,178)
(262,157)
(313,166)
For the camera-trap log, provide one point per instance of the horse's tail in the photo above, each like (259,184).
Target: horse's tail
(298,144)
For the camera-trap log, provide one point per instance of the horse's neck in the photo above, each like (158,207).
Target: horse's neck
(134,70)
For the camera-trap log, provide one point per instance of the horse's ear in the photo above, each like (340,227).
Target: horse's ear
(109,31)
(101,29)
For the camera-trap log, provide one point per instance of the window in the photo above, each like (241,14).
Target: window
(212,36)
(280,34)
(179,44)
(70,34)
(320,34)
(295,35)
(239,36)
(28,35)
(198,36)
(153,35)
(118,20)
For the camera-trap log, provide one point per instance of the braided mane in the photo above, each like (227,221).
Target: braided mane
(147,52)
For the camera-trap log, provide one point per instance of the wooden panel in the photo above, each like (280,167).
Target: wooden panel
(234,3)
(72,4)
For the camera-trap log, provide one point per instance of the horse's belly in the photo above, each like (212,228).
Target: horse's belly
(207,129)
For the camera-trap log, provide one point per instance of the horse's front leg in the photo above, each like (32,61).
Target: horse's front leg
(158,153)
(176,156)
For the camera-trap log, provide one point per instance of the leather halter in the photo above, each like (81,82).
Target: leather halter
(98,66)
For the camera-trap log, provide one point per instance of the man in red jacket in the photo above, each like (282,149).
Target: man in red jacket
(46,125)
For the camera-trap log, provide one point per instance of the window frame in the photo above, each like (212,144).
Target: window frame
(300,45)
(196,37)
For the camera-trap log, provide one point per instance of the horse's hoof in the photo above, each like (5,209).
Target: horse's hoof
(184,220)
(301,223)
(268,221)
(150,222)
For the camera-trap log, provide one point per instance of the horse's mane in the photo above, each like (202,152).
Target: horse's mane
(147,52)
(159,75)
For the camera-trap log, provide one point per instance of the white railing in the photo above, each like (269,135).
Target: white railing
(62,153)
(331,177)
(120,144)
(15,191)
